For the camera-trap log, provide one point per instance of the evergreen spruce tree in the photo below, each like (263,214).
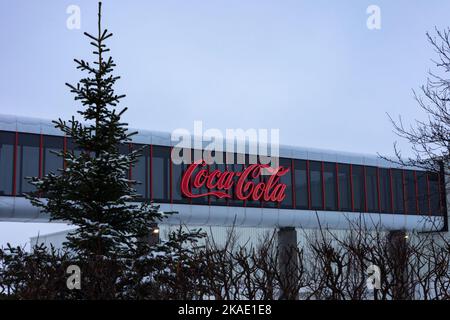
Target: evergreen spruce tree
(94,193)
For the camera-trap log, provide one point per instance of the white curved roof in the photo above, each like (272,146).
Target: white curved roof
(43,126)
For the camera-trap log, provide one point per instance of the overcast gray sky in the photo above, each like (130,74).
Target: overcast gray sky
(310,68)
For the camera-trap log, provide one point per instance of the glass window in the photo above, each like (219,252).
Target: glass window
(435,196)
(301,184)
(315,178)
(7,141)
(410,192)
(372,189)
(27,161)
(397,189)
(385,190)
(422,191)
(177,174)
(287,180)
(51,161)
(345,196)
(358,188)
(160,173)
(329,176)
(140,171)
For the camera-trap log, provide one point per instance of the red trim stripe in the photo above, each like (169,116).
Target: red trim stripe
(378,190)
(351,188)
(337,187)
(365,189)
(392,190)
(308,181)
(428,194)
(151,172)
(41,144)
(170,176)
(416,189)
(293,184)
(209,196)
(323,185)
(441,207)
(405,207)
(16,141)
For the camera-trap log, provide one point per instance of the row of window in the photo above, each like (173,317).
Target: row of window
(318,185)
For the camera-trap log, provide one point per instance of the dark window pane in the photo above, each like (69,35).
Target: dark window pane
(7,140)
(344,187)
(435,197)
(160,173)
(385,190)
(315,177)
(410,188)
(51,161)
(329,175)
(358,188)
(287,180)
(27,161)
(140,171)
(372,189)
(422,189)
(301,184)
(397,189)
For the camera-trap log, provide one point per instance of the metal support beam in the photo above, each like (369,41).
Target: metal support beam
(288,262)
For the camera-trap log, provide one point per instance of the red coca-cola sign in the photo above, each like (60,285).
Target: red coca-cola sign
(243,184)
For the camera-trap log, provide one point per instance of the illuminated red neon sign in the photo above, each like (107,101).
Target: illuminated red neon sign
(220,183)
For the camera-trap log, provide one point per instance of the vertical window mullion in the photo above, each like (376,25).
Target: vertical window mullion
(170,176)
(323,184)
(293,184)
(41,138)
(405,205)
(308,181)
(428,194)
(392,190)
(365,188)
(378,189)
(416,189)
(337,188)
(151,172)
(351,188)
(440,194)
(16,141)
(64,151)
